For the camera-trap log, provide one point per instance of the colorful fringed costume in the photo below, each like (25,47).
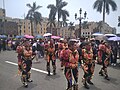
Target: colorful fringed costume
(106,52)
(19,50)
(88,66)
(51,57)
(100,49)
(70,60)
(25,58)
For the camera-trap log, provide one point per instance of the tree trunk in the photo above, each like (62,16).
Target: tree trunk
(31,27)
(104,5)
(35,28)
(58,18)
(51,29)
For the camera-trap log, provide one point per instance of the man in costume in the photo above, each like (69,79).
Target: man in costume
(70,58)
(19,51)
(65,46)
(50,56)
(60,48)
(100,47)
(25,62)
(106,52)
(87,64)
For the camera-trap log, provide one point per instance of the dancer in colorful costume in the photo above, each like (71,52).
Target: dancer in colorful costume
(60,48)
(51,57)
(26,62)
(19,51)
(70,58)
(106,52)
(87,64)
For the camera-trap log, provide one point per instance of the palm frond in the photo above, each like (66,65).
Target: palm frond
(118,18)
(29,14)
(54,24)
(28,5)
(58,2)
(98,5)
(57,9)
(62,4)
(65,12)
(71,27)
(118,24)
(113,5)
(51,6)
(52,14)
(34,4)
(51,23)
(48,23)
(38,17)
(118,21)
(38,7)
(95,5)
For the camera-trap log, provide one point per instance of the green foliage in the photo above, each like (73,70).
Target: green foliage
(58,10)
(71,27)
(104,6)
(33,15)
(85,25)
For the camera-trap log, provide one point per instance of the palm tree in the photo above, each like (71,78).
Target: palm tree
(65,14)
(64,23)
(100,26)
(118,21)
(51,23)
(104,6)
(34,16)
(85,25)
(71,27)
(58,10)
(64,17)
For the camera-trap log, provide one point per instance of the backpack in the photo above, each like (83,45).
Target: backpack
(39,47)
(34,48)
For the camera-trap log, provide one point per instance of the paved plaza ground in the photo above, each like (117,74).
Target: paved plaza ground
(10,81)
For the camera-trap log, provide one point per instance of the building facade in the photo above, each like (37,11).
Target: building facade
(24,26)
(93,27)
(42,27)
(2,12)
(9,28)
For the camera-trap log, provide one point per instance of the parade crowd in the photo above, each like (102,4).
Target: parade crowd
(71,54)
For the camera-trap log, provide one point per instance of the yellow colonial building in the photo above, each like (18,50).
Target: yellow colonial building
(24,26)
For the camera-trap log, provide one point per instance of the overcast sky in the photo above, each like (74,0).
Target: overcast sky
(17,9)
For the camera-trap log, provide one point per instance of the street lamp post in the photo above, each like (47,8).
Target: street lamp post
(80,20)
